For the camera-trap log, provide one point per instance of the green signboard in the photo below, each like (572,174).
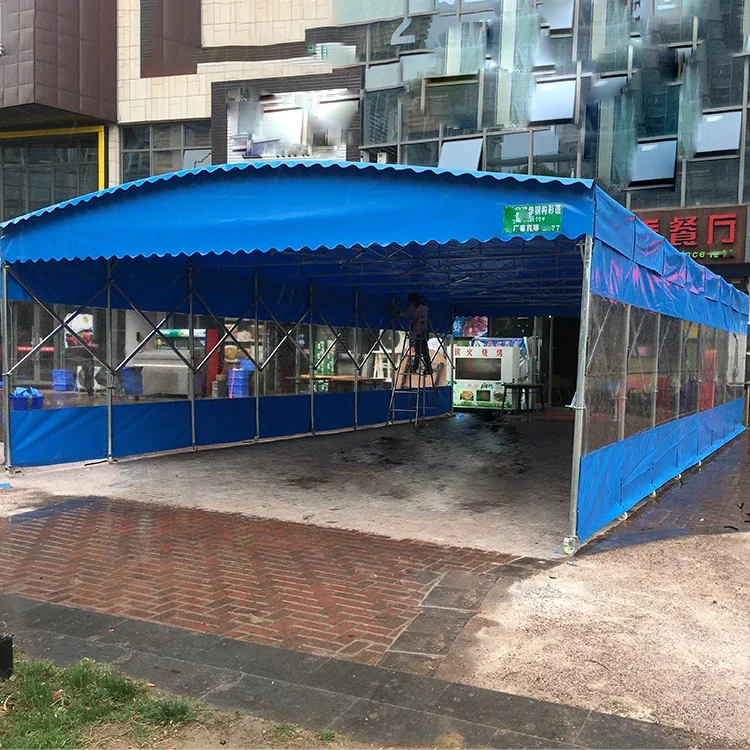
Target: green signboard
(538,218)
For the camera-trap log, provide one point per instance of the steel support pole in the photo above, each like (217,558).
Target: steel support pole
(191,353)
(110,360)
(656,371)
(311,359)
(356,358)
(571,541)
(550,359)
(7,374)
(257,359)
(683,342)
(450,369)
(623,398)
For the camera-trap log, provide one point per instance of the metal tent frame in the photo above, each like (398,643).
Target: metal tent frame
(311,244)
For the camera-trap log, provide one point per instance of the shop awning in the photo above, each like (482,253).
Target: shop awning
(473,243)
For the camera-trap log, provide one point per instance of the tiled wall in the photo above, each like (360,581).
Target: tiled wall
(189,97)
(230,22)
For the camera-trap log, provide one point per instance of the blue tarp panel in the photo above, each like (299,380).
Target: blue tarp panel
(150,427)
(680,289)
(617,477)
(52,436)
(290,205)
(224,420)
(338,413)
(373,407)
(284,415)
(58,436)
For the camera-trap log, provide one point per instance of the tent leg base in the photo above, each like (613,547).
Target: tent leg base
(11,471)
(570,545)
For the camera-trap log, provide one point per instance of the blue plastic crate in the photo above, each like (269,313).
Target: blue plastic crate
(131,381)
(238,383)
(26,402)
(63,380)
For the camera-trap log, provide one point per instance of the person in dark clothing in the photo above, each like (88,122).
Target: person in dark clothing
(88,374)
(417,312)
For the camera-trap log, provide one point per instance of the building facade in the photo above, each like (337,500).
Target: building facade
(648,97)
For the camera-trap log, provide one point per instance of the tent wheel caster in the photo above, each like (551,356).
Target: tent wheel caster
(623,517)
(678,477)
(570,545)
(11,471)
(652,495)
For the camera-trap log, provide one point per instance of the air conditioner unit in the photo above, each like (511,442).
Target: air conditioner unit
(100,379)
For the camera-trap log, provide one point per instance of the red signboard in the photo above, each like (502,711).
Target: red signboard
(708,235)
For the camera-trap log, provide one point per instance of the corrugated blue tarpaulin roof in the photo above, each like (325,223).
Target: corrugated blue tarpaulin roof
(382,229)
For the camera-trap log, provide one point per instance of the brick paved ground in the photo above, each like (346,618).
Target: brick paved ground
(320,590)
(713,499)
(480,481)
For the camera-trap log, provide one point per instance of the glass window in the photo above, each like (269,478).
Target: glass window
(655,161)
(137,138)
(723,74)
(14,192)
(166,161)
(196,157)
(360,11)
(41,154)
(416,124)
(136,166)
(455,105)
(421,154)
(463,154)
(557,14)
(65,183)
(169,147)
(381,116)
(712,183)
(554,101)
(420,6)
(508,153)
(41,173)
(556,151)
(414,67)
(166,136)
(719,132)
(654,198)
(40,188)
(198,133)
(382,76)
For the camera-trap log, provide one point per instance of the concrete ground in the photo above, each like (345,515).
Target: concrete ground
(485,482)
(657,631)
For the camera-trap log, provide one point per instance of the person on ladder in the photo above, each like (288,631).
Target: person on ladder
(418,312)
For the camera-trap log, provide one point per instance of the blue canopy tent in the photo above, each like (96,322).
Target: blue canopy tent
(336,244)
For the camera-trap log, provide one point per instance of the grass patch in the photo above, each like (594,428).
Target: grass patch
(43,706)
(284,731)
(327,736)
